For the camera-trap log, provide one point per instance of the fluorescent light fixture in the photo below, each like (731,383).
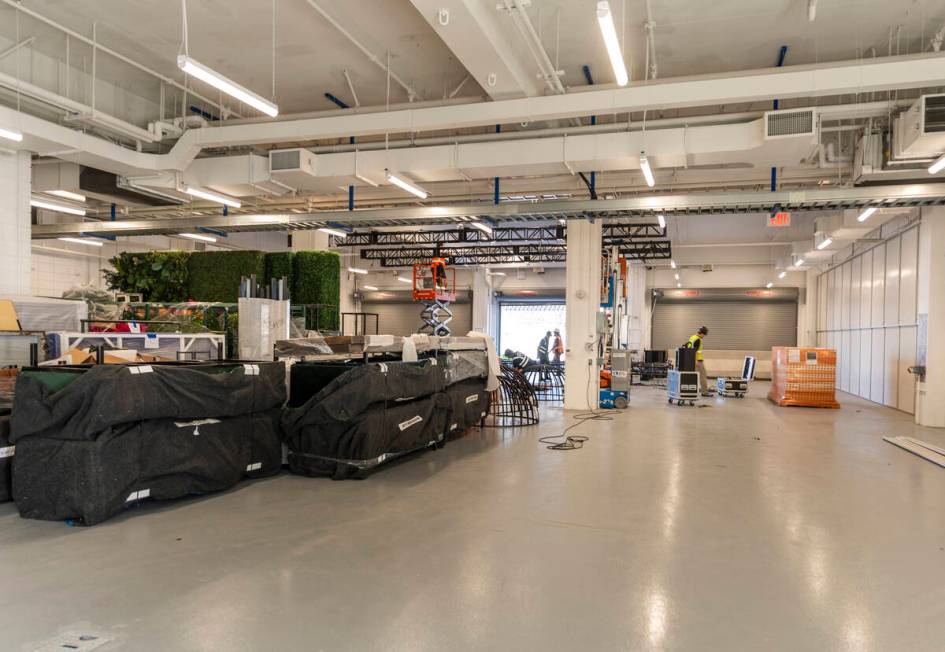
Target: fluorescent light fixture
(9,134)
(496,273)
(677,277)
(826,243)
(212,196)
(228,86)
(647,171)
(935,168)
(403,184)
(672,263)
(83,241)
(561,220)
(782,274)
(679,285)
(606,21)
(371,288)
(338,233)
(198,236)
(769,285)
(798,262)
(57,207)
(404,279)
(65,194)
(485,228)
(662,220)
(357,270)
(865,215)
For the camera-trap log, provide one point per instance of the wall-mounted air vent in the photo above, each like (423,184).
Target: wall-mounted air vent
(790,124)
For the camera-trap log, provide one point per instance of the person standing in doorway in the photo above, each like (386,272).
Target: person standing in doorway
(695,342)
(557,348)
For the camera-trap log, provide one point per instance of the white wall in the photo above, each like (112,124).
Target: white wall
(15,181)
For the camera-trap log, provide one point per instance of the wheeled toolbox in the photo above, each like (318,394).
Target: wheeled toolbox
(91,441)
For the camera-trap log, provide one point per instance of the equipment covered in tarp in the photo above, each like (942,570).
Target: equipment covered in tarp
(91,441)
(346,417)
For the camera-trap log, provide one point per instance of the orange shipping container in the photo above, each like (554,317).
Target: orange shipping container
(803,377)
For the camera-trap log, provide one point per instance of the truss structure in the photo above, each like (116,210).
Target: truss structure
(499,254)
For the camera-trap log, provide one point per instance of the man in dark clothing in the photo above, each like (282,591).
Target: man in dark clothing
(517,359)
(543,345)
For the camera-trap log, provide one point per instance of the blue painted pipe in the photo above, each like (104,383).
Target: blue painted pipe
(216,232)
(587,75)
(226,210)
(782,54)
(495,196)
(114,212)
(341,103)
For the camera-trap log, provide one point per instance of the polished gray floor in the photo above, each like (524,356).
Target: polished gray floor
(738,526)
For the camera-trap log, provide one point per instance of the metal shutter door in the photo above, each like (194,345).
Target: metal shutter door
(733,325)
(404,318)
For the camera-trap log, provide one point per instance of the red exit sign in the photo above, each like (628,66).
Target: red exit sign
(782,218)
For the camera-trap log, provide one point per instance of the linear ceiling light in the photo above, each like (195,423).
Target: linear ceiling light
(677,276)
(826,243)
(679,285)
(938,165)
(606,21)
(404,279)
(198,236)
(65,194)
(338,233)
(647,171)
(212,196)
(496,273)
(228,86)
(83,241)
(485,228)
(662,220)
(798,262)
(672,263)
(412,188)
(865,215)
(370,287)
(37,203)
(357,270)
(782,274)
(769,285)
(9,134)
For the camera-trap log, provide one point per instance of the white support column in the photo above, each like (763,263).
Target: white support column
(638,306)
(930,408)
(15,242)
(483,303)
(582,298)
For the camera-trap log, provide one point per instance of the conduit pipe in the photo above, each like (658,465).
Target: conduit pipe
(525,27)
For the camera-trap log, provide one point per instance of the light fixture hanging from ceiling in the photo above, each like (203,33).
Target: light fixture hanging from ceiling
(60,208)
(198,236)
(799,262)
(409,186)
(66,194)
(482,226)
(357,270)
(865,215)
(82,241)
(647,171)
(672,263)
(605,20)
(209,195)
(338,233)
(938,165)
(205,74)
(782,274)
(372,288)
(9,134)
(824,244)
(404,279)
(769,285)
(662,220)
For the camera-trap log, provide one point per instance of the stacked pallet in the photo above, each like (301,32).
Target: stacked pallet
(805,377)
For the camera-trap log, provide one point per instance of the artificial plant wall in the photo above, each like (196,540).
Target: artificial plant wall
(215,275)
(316,278)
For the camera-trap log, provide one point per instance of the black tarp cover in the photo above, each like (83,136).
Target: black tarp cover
(118,434)
(468,404)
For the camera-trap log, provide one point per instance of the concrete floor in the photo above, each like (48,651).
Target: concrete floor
(740,526)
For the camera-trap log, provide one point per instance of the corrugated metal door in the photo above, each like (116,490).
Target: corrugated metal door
(404,318)
(733,325)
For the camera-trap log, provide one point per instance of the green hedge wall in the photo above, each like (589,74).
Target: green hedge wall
(215,275)
(279,265)
(157,275)
(316,278)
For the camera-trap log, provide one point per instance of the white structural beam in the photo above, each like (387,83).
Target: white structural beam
(476,34)
(582,307)
(930,408)
(912,71)
(15,245)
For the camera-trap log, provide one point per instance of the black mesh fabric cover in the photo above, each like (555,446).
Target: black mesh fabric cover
(365,417)
(115,436)
(468,404)
(6,457)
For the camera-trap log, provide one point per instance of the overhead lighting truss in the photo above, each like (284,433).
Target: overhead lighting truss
(555,233)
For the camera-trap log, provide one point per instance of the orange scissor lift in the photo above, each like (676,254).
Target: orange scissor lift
(435,287)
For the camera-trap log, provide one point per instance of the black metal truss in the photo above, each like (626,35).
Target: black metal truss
(555,233)
(497,254)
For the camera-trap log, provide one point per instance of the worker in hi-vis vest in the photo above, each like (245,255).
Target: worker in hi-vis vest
(695,342)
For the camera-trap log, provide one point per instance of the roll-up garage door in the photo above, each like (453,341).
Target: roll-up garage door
(733,325)
(404,318)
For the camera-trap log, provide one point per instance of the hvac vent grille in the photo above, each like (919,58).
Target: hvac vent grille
(934,114)
(782,124)
(289,159)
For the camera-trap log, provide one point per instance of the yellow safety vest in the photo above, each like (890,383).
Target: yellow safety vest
(695,342)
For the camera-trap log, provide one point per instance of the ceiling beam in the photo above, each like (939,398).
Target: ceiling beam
(609,210)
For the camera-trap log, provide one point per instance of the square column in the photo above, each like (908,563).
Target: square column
(582,305)
(930,408)
(483,303)
(15,227)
